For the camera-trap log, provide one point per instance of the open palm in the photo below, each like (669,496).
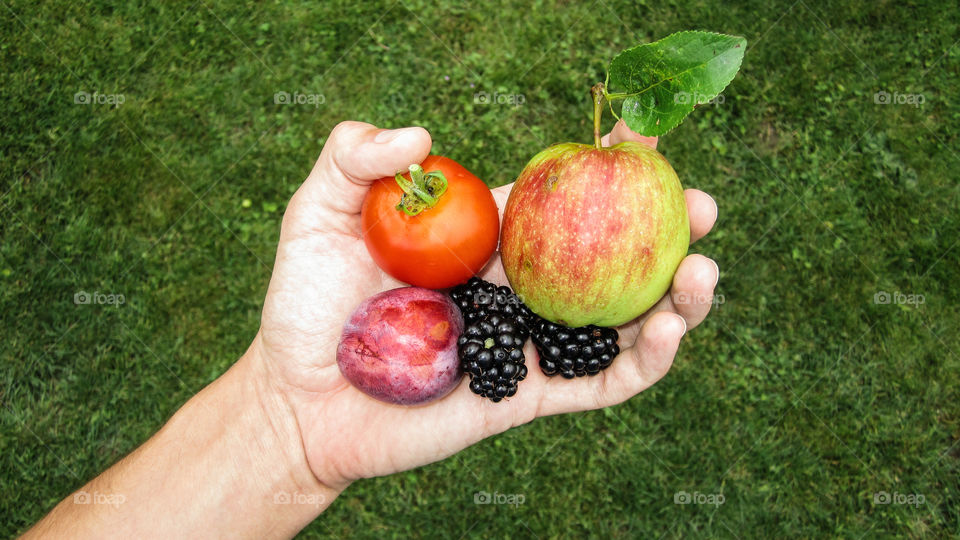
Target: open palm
(323,271)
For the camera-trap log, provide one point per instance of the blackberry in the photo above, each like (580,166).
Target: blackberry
(478,298)
(574,352)
(491,353)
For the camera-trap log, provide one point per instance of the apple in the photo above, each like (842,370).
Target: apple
(400,346)
(592,234)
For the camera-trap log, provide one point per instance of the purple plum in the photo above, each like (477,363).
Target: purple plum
(400,346)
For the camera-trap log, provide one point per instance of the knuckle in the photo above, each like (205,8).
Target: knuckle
(343,130)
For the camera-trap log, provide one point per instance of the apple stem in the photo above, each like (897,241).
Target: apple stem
(597,92)
(422,191)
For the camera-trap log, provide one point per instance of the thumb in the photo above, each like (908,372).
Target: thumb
(621,133)
(354,156)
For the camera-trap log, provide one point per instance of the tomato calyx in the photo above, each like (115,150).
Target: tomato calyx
(422,191)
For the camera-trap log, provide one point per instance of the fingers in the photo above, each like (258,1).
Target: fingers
(693,283)
(621,133)
(693,286)
(355,155)
(690,296)
(696,276)
(650,344)
(500,195)
(702,212)
(633,371)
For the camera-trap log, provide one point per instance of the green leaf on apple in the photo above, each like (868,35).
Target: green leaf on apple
(661,82)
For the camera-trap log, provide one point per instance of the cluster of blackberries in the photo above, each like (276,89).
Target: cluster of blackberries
(574,352)
(497,324)
(478,298)
(491,347)
(491,352)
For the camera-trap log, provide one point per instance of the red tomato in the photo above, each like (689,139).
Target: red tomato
(443,245)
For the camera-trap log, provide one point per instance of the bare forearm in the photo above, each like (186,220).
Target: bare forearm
(228,463)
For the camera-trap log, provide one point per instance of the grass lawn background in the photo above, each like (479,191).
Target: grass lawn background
(799,399)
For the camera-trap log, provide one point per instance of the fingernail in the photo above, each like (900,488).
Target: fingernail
(388,135)
(717,280)
(684,321)
(716,209)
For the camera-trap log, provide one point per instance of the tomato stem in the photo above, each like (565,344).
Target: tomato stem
(422,191)
(597,92)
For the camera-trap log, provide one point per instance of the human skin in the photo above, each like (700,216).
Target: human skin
(265,448)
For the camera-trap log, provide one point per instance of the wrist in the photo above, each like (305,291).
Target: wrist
(265,428)
(230,463)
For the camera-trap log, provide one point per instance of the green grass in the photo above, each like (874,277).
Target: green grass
(798,399)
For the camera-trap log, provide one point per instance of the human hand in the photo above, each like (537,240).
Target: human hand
(323,271)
